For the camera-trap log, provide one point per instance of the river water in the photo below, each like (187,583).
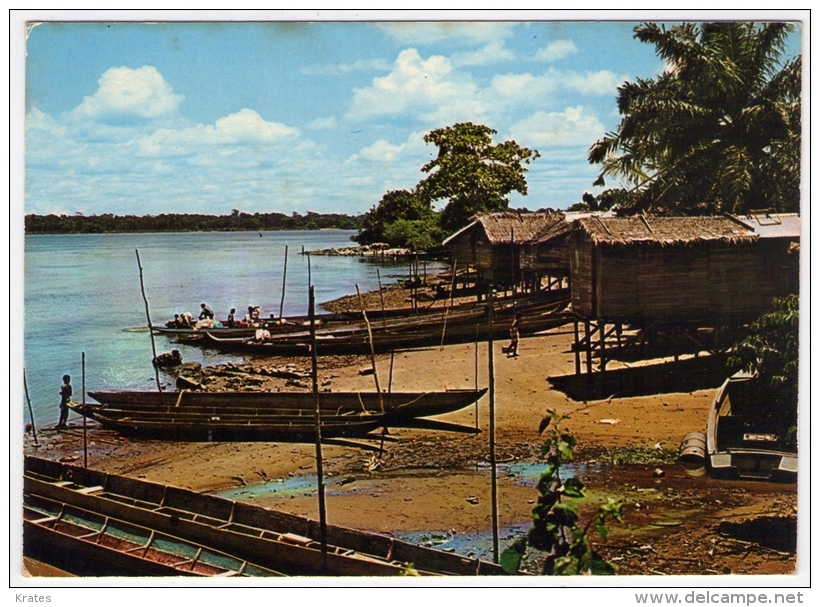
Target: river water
(82,294)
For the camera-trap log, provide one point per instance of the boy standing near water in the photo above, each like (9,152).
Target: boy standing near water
(65,397)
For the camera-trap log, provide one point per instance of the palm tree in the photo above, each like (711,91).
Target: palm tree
(718,130)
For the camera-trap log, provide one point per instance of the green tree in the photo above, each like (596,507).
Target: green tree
(394,206)
(718,130)
(418,234)
(771,352)
(471,173)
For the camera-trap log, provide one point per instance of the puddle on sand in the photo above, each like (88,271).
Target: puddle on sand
(525,473)
(472,544)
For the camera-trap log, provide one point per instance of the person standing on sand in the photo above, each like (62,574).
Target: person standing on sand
(65,398)
(512,349)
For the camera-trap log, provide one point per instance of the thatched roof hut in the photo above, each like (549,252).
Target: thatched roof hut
(493,241)
(682,269)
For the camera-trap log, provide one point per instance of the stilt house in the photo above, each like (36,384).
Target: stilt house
(493,244)
(691,270)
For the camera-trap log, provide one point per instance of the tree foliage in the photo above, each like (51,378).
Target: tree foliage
(771,351)
(186,222)
(395,205)
(718,130)
(557,528)
(472,173)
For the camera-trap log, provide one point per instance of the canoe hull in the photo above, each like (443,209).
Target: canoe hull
(240,529)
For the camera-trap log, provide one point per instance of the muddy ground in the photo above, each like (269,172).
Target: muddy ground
(434,487)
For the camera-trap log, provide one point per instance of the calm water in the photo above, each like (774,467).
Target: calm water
(82,292)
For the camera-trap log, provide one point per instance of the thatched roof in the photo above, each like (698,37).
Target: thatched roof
(664,230)
(501,228)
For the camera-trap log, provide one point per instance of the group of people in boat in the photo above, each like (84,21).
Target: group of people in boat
(207,319)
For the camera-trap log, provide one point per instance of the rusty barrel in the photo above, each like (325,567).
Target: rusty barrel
(693,448)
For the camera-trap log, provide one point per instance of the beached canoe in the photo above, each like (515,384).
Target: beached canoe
(387,340)
(85,542)
(277,540)
(398,406)
(275,426)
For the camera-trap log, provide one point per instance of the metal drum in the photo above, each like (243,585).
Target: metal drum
(693,448)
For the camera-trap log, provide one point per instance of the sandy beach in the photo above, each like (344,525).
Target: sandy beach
(437,484)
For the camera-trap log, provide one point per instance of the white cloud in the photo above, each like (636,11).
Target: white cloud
(124,91)
(427,33)
(493,52)
(522,88)
(330,123)
(382,151)
(558,129)
(428,87)
(242,128)
(602,82)
(334,69)
(556,50)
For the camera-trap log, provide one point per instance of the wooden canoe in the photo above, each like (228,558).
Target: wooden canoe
(398,406)
(175,424)
(277,540)
(85,542)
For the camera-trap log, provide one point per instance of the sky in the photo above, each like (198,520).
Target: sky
(149,118)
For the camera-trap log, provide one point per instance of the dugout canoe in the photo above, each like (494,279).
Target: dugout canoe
(277,540)
(85,542)
(274,426)
(398,406)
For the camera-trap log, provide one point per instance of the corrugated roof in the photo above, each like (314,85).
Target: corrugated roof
(772,225)
(663,230)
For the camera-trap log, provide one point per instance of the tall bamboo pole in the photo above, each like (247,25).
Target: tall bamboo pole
(372,349)
(381,296)
(284,280)
(320,485)
(30,410)
(477,329)
(85,430)
(494,488)
(447,309)
(150,331)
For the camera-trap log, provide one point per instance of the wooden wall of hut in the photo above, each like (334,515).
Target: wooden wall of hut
(712,281)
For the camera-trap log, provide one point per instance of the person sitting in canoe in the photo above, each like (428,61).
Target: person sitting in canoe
(206,312)
(253,315)
(231,318)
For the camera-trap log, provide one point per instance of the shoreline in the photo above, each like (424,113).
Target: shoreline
(433,482)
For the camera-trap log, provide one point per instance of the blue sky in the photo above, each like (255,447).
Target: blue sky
(132,118)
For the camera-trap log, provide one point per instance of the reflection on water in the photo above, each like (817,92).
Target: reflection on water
(83,290)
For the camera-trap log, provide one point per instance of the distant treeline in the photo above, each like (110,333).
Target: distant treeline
(185,222)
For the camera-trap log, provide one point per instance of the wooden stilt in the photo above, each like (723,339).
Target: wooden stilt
(602,334)
(588,345)
(577,349)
